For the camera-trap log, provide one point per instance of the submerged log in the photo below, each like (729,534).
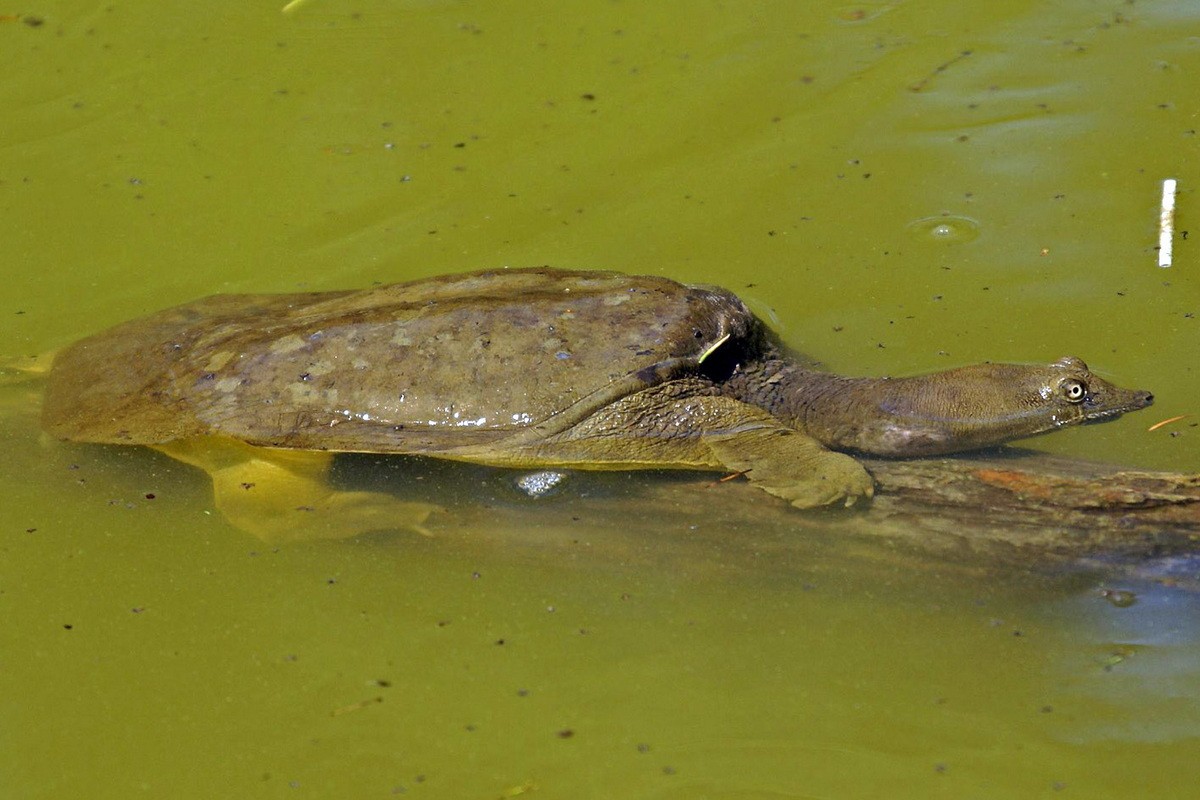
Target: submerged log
(1007,506)
(1036,502)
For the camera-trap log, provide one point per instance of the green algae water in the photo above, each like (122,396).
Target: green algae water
(897,187)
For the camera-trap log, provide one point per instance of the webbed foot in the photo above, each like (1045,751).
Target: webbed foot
(283,495)
(20,370)
(790,465)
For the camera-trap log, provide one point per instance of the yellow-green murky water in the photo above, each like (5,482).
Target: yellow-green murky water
(899,186)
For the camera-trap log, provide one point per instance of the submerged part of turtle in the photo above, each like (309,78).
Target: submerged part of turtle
(533,368)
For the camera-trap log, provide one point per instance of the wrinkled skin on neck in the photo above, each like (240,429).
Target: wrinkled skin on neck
(942,412)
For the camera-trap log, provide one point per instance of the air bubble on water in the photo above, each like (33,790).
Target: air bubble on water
(947,228)
(540,484)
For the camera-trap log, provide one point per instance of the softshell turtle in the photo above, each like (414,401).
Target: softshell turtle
(524,368)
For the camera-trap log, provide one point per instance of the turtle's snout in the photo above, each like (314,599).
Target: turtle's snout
(1137,399)
(1112,402)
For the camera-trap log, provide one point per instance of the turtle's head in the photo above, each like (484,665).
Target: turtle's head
(981,406)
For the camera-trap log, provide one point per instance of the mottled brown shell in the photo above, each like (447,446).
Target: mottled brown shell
(406,368)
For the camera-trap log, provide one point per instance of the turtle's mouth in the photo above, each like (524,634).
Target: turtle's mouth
(1101,409)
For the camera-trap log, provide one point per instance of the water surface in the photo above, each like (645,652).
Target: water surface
(897,186)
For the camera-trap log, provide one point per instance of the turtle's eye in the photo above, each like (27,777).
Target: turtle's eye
(1073,390)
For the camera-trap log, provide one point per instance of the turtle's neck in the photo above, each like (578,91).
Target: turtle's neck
(942,412)
(819,403)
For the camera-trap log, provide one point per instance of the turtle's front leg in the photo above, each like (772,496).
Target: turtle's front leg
(683,425)
(793,466)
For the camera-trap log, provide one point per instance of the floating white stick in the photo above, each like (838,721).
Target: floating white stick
(1166,223)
